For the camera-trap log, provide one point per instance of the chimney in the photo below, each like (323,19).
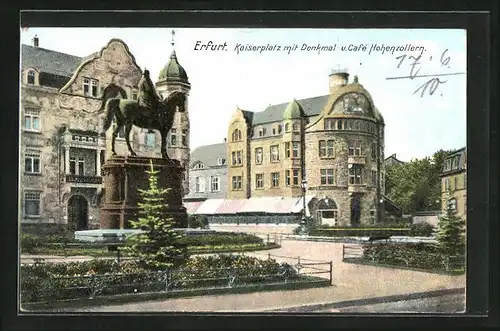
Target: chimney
(225,140)
(35,41)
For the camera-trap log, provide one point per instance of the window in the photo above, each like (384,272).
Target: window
(329,124)
(452,204)
(355,148)
(328,214)
(30,78)
(280,128)
(32,119)
(259,180)
(150,139)
(86,86)
(287,150)
(274,131)
(184,137)
(295,176)
(134,95)
(287,127)
(455,162)
(355,174)
(327,177)
(31,203)
(287,177)
(236,135)
(348,125)
(236,158)
(295,148)
(199,165)
(32,161)
(221,161)
(374,151)
(72,165)
(263,131)
(374,177)
(236,182)
(326,148)
(275,156)
(275,179)
(214,184)
(296,127)
(258,155)
(199,184)
(173,137)
(81,166)
(94,84)
(340,125)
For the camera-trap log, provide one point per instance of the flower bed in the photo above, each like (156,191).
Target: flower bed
(419,256)
(397,229)
(49,282)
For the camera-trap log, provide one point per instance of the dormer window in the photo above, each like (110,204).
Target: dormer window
(199,165)
(287,127)
(30,77)
(221,161)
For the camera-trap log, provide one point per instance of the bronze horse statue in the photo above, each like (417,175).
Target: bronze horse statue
(128,113)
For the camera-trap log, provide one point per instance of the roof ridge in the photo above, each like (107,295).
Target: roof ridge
(53,51)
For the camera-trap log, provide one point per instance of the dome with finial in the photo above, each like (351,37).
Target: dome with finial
(173,71)
(293,110)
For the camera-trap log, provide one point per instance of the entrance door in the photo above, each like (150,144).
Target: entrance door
(355,210)
(78,212)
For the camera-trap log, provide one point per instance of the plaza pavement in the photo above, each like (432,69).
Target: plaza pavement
(351,282)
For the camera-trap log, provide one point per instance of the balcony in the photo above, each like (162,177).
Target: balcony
(356,159)
(83,179)
(357,188)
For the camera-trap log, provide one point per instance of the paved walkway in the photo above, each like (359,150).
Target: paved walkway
(351,282)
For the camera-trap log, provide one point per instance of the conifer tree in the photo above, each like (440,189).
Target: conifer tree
(159,246)
(451,234)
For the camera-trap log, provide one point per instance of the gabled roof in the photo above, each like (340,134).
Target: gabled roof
(49,61)
(209,154)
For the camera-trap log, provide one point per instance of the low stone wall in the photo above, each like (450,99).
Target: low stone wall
(43,228)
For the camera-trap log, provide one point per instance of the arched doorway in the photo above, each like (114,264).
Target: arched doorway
(355,210)
(327,212)
(78,212)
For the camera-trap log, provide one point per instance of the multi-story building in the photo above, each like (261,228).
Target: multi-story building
(208,173)
(62,147)
(332,143)
(454,183)
(392,160)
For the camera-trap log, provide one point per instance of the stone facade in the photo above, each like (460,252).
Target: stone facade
(454,183)
(334,143)
(62,148)
(208,173)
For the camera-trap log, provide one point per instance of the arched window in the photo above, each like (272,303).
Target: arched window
(287,127)
(236,135)
(30,78)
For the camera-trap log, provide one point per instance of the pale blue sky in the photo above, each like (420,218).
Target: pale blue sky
(415,126)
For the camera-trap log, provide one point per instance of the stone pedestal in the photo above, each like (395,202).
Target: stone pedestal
(123,176)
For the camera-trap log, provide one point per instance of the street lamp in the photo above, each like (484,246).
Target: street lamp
(303,220)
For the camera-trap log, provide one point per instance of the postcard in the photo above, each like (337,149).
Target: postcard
(243,170)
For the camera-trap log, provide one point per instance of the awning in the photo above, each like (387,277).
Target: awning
(259,205)
(209,206)
(231,206)
(285,205)
(192,206)
(298,206)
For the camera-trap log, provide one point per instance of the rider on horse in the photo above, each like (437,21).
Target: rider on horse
(147,93)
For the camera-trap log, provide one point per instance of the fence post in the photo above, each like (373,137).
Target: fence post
(331,273)
(166,280)
(343,254)
(118,255)
(268,256)
(268,238)
(298,259)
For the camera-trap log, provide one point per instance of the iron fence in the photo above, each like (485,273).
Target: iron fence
(305,266)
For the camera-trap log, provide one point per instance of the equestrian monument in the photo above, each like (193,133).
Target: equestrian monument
(124,175)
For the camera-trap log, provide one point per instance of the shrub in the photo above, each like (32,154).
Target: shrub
(48,282)
(229,238)
(29,242)
(421,230)
(419,255)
